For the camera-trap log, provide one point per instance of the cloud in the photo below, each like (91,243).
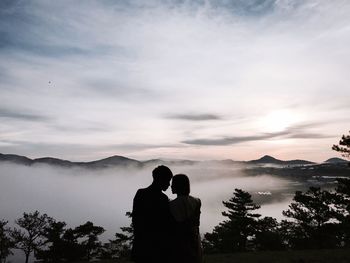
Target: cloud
(294,132)
(301,131)
(233,140)
(246,7)
(306,135)
(20,115)
(125,65)
(108,86)
(195,117)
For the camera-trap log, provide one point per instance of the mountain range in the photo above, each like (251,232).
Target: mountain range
(121,161)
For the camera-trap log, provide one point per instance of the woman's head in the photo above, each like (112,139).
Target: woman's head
(180,184)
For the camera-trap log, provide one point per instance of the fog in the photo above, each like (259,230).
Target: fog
(76,195)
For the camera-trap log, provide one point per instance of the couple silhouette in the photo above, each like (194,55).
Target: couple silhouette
(166,231)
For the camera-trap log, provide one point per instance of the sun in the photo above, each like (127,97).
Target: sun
(278,120)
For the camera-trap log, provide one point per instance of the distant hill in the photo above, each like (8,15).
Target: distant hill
(52,161)
(267,159)
(115,160)
(121,161)
(336,160)
(13,158)
(103,163)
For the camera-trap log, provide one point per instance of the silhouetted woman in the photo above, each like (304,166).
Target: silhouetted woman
(185,210)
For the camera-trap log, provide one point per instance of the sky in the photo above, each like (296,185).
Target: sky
(183,79)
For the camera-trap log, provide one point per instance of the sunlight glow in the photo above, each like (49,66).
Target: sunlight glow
(278,120)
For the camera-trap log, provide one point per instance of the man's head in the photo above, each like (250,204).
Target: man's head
(162,176)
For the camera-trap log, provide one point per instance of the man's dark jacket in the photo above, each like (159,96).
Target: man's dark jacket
(151,220)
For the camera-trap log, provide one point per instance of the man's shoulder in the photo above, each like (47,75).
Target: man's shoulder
(150,191)
(141,190)
(140,193)
(150,194)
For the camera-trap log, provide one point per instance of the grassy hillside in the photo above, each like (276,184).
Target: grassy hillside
(300,256)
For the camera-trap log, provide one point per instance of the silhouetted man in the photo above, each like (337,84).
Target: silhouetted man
(151,219)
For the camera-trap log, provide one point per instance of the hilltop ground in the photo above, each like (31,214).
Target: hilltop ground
(299,256)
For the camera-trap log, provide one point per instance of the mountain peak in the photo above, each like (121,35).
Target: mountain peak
(115,160)
(267,158)
(271,160)
(336,160)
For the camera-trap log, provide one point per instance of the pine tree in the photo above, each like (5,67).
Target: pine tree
(232,234)
(344,146)
(120,247)
(6,242)
(30,237)
(268,235)
(342,204)
(312,215)
(89,233)
(54,245)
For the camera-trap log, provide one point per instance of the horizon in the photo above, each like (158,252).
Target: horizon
(175,159)
(198,80)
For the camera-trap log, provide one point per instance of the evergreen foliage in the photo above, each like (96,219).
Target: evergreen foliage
(6,242)
(342,205)
(73,250)
(29,237)
(120,247)
(89,233)
(232,234)
(55,247)
(344,146)
(313,214)
(268,235)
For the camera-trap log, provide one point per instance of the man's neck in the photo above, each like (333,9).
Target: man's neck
(155,187)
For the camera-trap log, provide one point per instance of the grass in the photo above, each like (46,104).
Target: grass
(297,256)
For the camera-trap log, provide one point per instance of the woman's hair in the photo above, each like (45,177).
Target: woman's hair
(181,184)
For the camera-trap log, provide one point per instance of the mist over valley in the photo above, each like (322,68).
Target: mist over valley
(102,191)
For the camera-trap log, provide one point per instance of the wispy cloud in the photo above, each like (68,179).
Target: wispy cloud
(108,86)
(20,115)
(195,117)
(306,135)
(294,132)
(233,140)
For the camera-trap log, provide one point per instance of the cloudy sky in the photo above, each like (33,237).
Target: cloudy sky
(194,79)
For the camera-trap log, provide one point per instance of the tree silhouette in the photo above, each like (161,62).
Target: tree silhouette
(342,204)
(54,243)
(312,213)
(6,242)
(72,250)
(344,146)
(123,241)
(31,237)
(120,247)
(268,235)
(232,234)
(90,234)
